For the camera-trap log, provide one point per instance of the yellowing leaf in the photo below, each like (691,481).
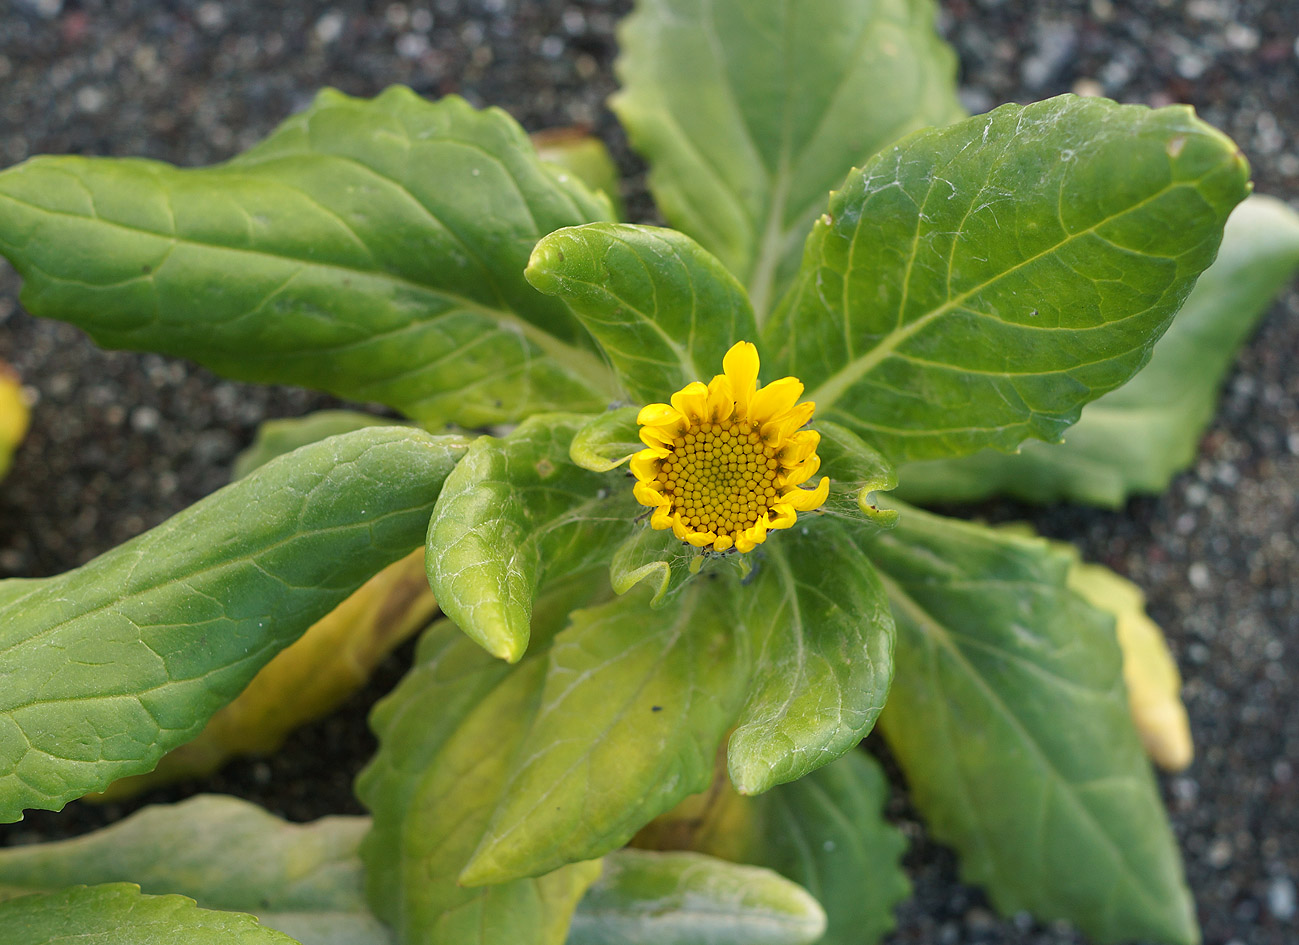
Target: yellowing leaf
(14,415)
(1148,668)
(308,679)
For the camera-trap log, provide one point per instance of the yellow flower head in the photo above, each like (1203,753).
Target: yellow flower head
(725,460)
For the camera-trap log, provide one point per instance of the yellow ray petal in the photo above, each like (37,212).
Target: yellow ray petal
(799,474)
(740,364)
(721,401)
(775,399)
(805,500)
(645,464)
(783,515)
(799,447)
(647,494)
(692,401)
(655,414)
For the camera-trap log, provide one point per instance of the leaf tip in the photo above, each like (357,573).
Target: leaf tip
(547,257)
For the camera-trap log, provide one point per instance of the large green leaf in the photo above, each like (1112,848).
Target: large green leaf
(303,879)
(515,510)
(663,308)
(306,680)
(1010,720)
(108,667)
(447,737)
(749,111)
(825,831)
(634,704)
(819,625)
(371,248)
(977,285)
(1135,439)
(117,914)
(648,898)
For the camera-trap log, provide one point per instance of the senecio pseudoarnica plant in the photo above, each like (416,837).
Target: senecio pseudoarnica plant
(677,594)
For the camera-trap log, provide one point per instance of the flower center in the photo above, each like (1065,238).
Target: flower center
(720,477)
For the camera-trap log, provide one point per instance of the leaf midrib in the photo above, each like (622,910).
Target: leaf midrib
(830,390)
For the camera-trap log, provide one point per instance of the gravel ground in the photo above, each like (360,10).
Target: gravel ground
(121,441)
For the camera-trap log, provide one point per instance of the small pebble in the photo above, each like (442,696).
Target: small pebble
(1281,898)
(1198,575)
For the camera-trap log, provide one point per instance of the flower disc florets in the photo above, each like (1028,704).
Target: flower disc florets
(725,461)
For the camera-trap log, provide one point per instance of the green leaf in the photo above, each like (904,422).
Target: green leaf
(14,416)
(108,667)
(607,441)
(750,110)
(447,735)
(634,704)
(819,625)
(1135,439)
(302,879)
(647,898)
(370,248)
(977,285)
(306,680)
(515,510)
(277,437)
(827,833)
(824,831)
(118,914)
(1010,721)
(663,308)
(576,152)
(857,472)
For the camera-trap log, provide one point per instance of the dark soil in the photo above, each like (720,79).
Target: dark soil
(121,441)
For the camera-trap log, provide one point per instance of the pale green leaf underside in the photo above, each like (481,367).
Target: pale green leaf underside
(818,622)
(515,510)
(1010,721)
(650,898)
(633,706)
(1135,439)
(749,111)
(117,914)
(371,248)
(108,667)
(225,853)
(976,285)
(827,832)
(663,308)
(447,736)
